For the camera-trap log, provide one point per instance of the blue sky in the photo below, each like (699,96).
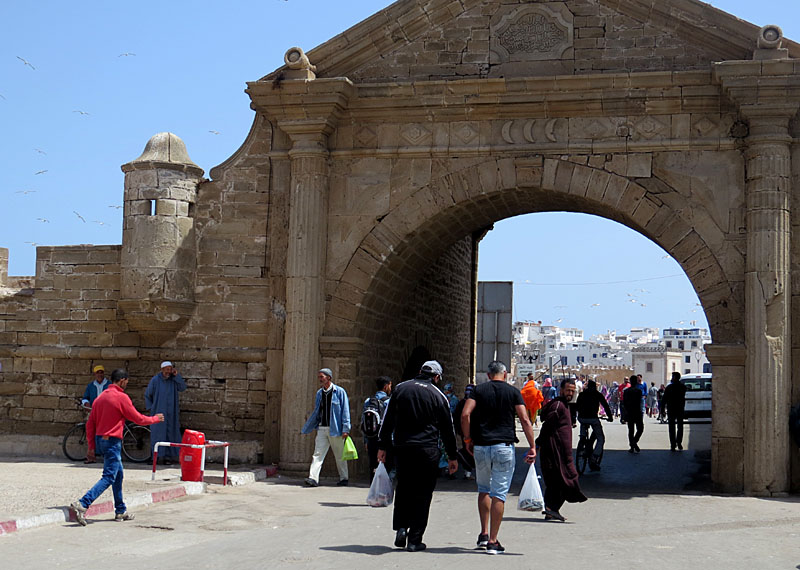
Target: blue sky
(86,108)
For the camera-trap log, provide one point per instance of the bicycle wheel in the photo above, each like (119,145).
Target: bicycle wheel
(581,456)
(74,444)
(136,444)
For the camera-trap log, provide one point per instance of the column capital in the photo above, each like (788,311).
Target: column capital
(763,90)
(306,110)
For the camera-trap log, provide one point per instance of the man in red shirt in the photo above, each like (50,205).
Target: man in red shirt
(106,422)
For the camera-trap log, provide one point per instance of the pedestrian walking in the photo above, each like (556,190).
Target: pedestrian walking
(372,418)
(417,416)
(555,455)
(489,419)
(674,402)
(533,398)
(104,434)
(161,397)
(634,415)
(331,418)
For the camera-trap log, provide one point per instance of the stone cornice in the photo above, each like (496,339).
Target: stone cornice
(656,93)
(762,88)
(301,101)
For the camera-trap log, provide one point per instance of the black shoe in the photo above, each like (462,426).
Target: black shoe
(309,482)
(594,467)
(494,548)
(672,448)
(632,450)
(680,447)
(636,448)
(416,547)
(400,538)
(343,483)
(483,540)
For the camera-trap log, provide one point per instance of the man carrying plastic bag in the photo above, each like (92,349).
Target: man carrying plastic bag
(381,491)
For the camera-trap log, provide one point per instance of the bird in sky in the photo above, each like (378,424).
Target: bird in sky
(632,300)
(643,305)
(40,151)
(560,307)
(43,220)
(595,305)
(126,54)
(116,207)
(25,192)
(559,320)
(214,132)
(99,222)
(26,62)
(33,243)
(84,113)
(644,291)
(665,256)
(39,172)
(79,216)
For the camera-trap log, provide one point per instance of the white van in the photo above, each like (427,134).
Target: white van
(698,395)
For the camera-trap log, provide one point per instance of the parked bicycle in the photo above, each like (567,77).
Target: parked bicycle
(135,440)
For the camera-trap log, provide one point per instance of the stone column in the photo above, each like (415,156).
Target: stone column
(767,93)
(307,110)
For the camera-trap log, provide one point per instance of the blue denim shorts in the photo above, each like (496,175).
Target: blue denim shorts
(494,469)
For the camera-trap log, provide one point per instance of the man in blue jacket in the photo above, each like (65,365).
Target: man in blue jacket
(331,419)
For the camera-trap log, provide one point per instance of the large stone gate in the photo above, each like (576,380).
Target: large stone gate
(344,232)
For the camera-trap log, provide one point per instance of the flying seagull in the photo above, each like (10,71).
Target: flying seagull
(26,62)
(116,207)
(43,220)
(126,54)
(81,112)
(40,151)
(33,243)
(99,222)
(214,132)
(39,172)
(79,216)
(595,304)
(24,191)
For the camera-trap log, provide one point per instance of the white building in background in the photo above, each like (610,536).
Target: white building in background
(656,363)
(690,344)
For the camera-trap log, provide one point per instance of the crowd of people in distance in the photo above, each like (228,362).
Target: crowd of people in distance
(420,430)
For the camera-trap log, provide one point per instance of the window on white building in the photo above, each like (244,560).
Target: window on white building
(648,367)
(687,359)
(687,371)
(673,367)
(694,344)
(680,344)
(669,344)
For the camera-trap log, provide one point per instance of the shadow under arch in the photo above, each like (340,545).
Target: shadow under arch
(395,253)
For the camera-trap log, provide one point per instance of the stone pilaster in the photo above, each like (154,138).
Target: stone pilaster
(307,110)
(768,96)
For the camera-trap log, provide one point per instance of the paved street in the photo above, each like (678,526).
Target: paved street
(648,510)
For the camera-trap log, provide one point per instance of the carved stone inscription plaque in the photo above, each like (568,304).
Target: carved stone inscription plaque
(533,32)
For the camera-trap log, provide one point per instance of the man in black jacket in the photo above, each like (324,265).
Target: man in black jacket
(632,401)
(674,402)
(589,402)
(417,416)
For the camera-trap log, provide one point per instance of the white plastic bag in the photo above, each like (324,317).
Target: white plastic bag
(530,497)
(381,491)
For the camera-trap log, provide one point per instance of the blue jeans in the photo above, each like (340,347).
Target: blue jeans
(494,468)
(111,449)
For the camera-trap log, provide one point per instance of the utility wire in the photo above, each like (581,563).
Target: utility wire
(600,282)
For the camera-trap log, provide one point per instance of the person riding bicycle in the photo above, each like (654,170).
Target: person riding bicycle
(588,405)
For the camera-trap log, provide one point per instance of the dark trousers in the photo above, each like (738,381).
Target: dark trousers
(636,421)
(372,454)
(675,421)
(417,470)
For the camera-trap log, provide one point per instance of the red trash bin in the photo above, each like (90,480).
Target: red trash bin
(191,457)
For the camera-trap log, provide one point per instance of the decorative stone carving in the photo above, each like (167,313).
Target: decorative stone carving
(299,66)
(534,32)
(769,43)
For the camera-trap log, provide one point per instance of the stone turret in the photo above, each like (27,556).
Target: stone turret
(158,243)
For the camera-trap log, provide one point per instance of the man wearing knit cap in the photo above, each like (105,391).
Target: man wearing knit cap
(331,419)
(161,397)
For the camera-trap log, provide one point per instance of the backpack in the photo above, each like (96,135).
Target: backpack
(372,416)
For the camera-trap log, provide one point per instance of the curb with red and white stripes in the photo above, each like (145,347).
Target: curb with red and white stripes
(64,514)
(181,489)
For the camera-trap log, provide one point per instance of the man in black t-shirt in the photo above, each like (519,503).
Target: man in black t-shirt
(488,418)
(632,402)
(674,402)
